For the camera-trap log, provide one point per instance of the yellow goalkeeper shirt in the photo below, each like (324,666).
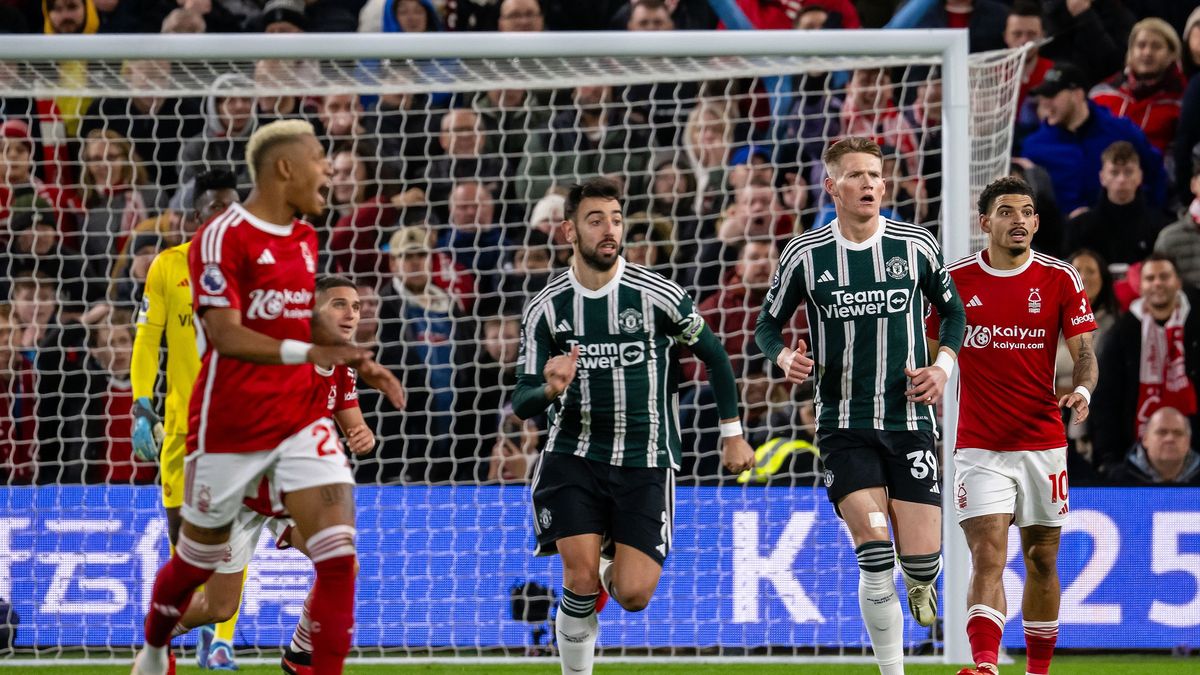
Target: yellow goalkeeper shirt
(167,308)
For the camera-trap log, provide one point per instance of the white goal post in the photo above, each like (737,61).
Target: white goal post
(976,130)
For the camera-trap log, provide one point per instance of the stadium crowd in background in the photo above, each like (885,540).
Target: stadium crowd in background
(445,211)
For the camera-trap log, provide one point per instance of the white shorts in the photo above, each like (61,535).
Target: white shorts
(244,536)
(1031,485)
(216,483)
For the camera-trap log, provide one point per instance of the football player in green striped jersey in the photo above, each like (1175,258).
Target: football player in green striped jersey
(599,349)
(866,281)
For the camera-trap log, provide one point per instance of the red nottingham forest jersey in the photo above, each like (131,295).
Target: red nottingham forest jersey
(1006,387)
(268,273)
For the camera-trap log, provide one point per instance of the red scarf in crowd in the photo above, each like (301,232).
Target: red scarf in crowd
(1163,381)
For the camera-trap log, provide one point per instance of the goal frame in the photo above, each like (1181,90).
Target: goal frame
(950,46)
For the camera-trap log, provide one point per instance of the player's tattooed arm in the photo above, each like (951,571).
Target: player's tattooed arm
(1084,377)
(1086,372)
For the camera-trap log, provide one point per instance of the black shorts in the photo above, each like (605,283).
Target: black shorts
(631,505)
(904,462)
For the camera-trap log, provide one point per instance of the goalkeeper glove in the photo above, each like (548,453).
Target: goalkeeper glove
(147,430)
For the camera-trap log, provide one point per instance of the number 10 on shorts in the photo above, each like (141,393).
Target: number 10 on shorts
(1058,487)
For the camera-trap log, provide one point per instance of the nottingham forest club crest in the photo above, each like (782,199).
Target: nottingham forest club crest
(1035,301)
(630,321)
(897,267)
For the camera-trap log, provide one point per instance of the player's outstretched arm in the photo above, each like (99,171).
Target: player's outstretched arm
(1084,376)
(381,379)
(736,454)
(224,331)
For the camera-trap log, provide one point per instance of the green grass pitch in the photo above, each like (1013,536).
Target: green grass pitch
(1064,665)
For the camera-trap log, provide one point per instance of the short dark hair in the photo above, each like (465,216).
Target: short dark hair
(1026,8)
(650,5)
(215,179)
(1008,185)
(332,281)
(592,188)
(1159,256)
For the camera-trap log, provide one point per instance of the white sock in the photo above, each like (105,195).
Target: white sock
(301,640)
(577,628)
(606,566)
(152,660)
(880,605)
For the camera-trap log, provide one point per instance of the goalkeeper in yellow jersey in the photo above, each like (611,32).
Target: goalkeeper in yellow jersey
(167,310)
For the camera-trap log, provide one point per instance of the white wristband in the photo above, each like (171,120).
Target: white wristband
(731,429)
(945,362)
(1083,391)
(293,352)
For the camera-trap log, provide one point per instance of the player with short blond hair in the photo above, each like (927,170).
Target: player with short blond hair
(257,410)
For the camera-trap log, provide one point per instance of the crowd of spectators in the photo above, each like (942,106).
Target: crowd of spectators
(445,209)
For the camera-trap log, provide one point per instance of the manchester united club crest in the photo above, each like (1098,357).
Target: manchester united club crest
(544,518)
(897,267)
(310,263)
(1035,301)
(630,321)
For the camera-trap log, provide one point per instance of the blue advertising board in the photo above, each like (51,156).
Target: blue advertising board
(749,567)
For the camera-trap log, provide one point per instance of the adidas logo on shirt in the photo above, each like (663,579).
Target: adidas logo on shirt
(975,302)
(266,258)
(825,277)
(563,326)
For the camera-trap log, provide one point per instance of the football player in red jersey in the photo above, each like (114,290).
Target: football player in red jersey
(1010,457)
(336,320)
(257,409)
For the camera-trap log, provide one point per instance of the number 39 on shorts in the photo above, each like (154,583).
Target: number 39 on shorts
(923,462)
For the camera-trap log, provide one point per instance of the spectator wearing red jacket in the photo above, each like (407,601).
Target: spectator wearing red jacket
(782,14)
(109,452)
(1150,89)
(1024,25)
(17,177)
(360,200)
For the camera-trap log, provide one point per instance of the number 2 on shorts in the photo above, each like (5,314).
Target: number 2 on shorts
(327,445)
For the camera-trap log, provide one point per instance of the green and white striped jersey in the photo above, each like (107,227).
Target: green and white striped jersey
(622,407)
(866,305)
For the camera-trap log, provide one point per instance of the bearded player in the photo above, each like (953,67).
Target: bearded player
(1010,460)
(598,349)
(257,409)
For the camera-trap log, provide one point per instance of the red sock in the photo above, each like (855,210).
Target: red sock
(985,627)
(190,566)
(332,608)
(1040,637)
